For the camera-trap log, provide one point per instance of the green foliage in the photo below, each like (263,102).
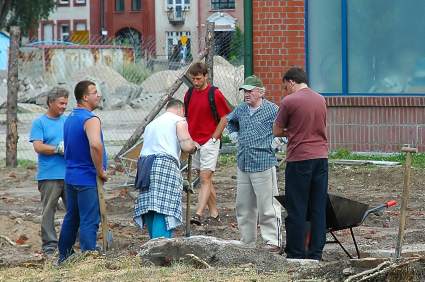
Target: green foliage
(24,13)
(135,73)
(227,159)
(236,47)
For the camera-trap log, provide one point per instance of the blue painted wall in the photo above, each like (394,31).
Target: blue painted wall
(4,50)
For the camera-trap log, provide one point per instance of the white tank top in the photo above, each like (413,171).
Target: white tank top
(160,136)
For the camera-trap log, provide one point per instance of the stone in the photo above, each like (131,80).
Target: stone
(213,251)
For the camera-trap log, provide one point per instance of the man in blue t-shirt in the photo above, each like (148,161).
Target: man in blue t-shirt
(47,138)
(85,159)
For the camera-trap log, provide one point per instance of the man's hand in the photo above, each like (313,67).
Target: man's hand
(103,176)
(197,147)
(60,149)
(233,137)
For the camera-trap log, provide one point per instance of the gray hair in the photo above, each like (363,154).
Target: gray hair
(55,93)
(262,90)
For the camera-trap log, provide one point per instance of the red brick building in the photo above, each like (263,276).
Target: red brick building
(121,17)
(374,84)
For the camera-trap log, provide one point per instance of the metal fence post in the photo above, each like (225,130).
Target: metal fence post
(12,99)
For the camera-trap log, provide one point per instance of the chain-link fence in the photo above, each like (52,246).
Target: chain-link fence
(129,72)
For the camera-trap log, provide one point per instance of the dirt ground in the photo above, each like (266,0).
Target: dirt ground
(20,210)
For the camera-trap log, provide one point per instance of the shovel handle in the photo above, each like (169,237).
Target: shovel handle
(189,189)
(103,219)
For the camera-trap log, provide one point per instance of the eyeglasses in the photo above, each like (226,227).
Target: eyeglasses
(93,93)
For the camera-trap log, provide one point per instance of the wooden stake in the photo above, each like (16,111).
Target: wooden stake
(405,198)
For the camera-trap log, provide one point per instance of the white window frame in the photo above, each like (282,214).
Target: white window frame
(64,2)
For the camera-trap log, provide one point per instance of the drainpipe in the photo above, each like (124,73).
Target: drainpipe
(247,17)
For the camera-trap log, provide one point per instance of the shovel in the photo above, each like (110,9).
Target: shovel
(106,232)
(188,192)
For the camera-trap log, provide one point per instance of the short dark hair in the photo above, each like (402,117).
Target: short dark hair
(55,93)
(81,89)
(174,103)
(296,74)
(198,68)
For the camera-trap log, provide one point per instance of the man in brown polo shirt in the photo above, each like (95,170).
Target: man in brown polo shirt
(302,118)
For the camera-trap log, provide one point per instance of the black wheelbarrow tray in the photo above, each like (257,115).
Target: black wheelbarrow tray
(343,213)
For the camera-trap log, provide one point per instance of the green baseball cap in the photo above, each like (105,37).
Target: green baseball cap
(251,82)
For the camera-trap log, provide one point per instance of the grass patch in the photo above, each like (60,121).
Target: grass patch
(27,164)
(418,159)
(92,268)
(227,159)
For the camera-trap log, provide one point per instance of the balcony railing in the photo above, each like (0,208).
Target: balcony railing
(176,15)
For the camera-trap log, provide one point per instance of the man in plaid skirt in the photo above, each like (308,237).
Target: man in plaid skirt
(159,179)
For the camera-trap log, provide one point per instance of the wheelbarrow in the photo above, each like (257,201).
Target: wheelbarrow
(343,213)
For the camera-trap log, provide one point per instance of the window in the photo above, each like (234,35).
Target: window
(136,5)
(63,2)
(222,4)
(178,5)
(79,2)
(356,47)
(47,32)
(178,45)
(80,27)
(119,5)
(64,32)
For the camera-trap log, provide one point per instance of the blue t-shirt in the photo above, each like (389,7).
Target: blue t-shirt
(49,131)
(80,169)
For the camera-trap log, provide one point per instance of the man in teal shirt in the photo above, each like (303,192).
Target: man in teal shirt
(47,138)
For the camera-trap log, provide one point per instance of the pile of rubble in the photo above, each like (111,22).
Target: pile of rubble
(117,92)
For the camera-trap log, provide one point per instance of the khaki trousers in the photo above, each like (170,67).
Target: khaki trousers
(255,201)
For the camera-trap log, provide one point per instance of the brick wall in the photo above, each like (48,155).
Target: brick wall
(278,41)
(376,124)
(380,124)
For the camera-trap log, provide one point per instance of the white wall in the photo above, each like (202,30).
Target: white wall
(162,25)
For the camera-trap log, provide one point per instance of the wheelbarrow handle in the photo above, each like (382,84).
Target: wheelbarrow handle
(379,208)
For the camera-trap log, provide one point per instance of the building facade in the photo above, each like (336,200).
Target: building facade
(131,20)
(69,16)
(369,67)
(176,32)
(227,16)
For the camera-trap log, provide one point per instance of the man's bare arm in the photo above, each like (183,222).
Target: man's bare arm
(279,131)
(186,142)
(44,149)
(220,127)
(92,128)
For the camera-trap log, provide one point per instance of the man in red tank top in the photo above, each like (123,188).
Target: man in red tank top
(204,130)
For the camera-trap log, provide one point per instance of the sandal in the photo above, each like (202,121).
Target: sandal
(196,219)
(214,221)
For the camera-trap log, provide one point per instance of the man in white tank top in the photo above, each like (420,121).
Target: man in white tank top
(158,205)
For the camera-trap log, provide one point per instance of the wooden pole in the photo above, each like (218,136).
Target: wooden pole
(12,99)
(188,192)
(405,198)
(209,60)
(153,113)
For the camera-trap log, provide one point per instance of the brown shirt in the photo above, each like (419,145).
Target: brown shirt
(303,114)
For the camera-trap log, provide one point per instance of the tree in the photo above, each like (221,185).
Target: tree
(236,47)
(24,13)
